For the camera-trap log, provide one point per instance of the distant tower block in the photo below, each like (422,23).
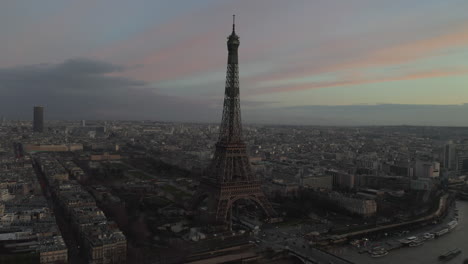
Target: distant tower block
(83,123)
(38,122)
(230,176)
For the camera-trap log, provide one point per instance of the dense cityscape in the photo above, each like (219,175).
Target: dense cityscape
(118,190)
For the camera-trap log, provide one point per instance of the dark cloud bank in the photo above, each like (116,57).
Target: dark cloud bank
(89,89)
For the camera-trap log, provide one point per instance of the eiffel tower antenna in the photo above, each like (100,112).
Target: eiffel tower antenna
(233,23)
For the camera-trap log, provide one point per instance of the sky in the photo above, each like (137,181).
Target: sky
(313,62)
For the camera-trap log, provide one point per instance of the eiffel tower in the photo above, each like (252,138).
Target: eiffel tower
(229,177)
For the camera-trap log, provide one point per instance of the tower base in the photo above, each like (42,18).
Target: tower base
(221,198)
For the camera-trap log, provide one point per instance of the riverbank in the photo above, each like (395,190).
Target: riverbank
(445,201)
(426,253)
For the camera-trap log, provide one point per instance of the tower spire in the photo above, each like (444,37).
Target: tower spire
(233,23)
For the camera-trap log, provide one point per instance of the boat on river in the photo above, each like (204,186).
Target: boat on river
(450,254)
(428,236)
(452,224)
(378,252)
(408,240)
(416,242)
(441,232)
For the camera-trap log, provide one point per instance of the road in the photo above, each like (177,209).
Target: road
(291,239)
(68,235)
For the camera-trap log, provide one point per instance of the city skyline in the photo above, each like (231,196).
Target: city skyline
(317,63)
(118,144)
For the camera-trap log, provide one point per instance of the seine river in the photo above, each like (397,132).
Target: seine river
(425,254)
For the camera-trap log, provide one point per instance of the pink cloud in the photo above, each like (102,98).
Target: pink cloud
(387,56)
(412,51)
(190,44)
(358,81)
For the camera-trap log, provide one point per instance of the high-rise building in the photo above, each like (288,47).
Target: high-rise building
(38,122)
(229,177)
(83,123)
(450,159)
(462,163)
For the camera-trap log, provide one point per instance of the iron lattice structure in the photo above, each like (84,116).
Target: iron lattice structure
(229,177)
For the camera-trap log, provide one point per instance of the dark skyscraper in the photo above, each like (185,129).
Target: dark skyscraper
(38,122)
(230,176)
(450,156)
